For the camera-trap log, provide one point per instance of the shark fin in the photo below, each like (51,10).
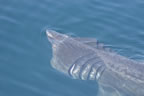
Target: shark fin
(93,43)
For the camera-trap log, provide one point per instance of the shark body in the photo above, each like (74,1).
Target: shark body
(86,59)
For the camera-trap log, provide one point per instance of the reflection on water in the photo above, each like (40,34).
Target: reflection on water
(25,52)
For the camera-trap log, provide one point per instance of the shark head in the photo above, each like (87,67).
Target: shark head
(59,50)
(72,57)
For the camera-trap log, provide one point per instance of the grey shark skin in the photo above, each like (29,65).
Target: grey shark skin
(86,59)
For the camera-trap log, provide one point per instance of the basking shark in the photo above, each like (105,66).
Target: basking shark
(87,59)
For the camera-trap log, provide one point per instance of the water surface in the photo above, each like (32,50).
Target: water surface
(25,52)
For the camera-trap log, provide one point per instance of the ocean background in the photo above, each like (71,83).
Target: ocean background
(25,52)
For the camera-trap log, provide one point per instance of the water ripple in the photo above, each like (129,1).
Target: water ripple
(24,59)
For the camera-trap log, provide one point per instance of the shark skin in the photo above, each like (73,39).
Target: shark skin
(87,59)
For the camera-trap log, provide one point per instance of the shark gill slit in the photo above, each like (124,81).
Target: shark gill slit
(99,71)
(92,72)
(78,62)
(84,67)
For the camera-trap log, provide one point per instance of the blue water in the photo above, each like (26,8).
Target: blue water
(25,52)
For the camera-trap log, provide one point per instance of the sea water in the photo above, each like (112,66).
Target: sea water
(25,52)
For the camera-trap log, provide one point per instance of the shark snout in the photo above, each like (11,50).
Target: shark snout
(51,34)
(55,37)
